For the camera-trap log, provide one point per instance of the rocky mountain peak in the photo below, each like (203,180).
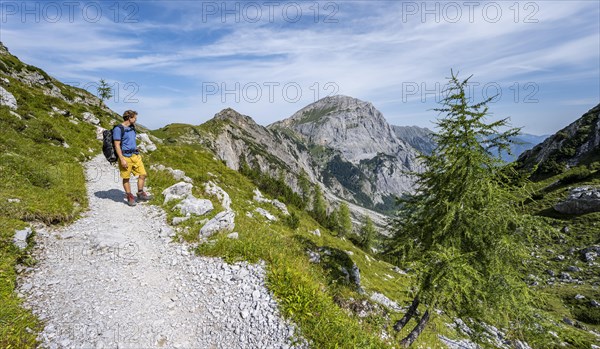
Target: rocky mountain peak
(354,127)
(338,106)
(235,117)
(3,49)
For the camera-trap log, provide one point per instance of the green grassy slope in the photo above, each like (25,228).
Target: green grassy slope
(41,152)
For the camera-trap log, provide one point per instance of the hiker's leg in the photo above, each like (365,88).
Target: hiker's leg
(141,181)
(140,171)
(126,185)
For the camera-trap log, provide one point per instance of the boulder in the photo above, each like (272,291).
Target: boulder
(258,197)
(179,220)
(385,301)
(580,200)
(177,191)
(147,144)
(90,118)
(212,189)
(222,221)
(355,275)
(7,99)
(192,205)
(266,214)
(20,238)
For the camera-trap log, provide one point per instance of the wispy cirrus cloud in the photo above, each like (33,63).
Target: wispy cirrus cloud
(373,51)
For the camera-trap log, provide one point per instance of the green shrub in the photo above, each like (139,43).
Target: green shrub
(588,315)
(577,174)
(292,221)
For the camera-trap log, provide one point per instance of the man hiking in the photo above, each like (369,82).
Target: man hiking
(130,160)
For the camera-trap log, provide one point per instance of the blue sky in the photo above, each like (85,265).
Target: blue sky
(183,61)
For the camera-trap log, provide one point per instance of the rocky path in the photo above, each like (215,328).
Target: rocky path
(114,279)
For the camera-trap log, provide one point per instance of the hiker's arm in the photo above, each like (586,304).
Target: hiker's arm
(122,160)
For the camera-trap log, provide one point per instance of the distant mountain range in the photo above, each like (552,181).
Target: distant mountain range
(420,138)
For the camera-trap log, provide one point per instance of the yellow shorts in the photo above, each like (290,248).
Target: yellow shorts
(134,165)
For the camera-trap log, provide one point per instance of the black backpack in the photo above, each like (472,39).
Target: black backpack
(108,144)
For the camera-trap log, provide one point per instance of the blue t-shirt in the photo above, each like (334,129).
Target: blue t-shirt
(128,146)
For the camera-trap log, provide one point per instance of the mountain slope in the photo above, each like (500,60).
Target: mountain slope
(576,144)
(418,137)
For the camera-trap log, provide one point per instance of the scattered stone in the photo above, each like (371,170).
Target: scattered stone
(579,297)
(20,238)
(258,197)
(177,174)
(177,191)
(179,220)
(265,214)
(233,236)
(385,301)
(594,303)
(5,81)
(568,321)
(222,221)
(14,201)
(559,258)
(573,269)
(314,257)
(590,256)
(7,99)
(458,343)
(566,230)
(194,206)
(317,232)
(551,272)
(399,271)
(146,144)
(565,276)
(212,189)
(355,274)
(580,200)
(349,253)
(90,118)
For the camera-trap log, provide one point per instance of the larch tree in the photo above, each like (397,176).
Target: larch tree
(462,231)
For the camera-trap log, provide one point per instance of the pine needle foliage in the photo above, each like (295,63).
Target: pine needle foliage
(463,231)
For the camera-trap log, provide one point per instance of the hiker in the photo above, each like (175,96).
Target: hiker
(130,160)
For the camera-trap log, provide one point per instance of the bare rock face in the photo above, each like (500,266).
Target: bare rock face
(365,155)
(354,127)
(580,201)
(419,138)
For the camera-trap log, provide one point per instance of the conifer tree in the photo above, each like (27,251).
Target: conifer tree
(367,234)
(319,208)
(462,231)
(104,91)
(345,221)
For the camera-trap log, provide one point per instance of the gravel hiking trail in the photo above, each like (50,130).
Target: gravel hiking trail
(115,279)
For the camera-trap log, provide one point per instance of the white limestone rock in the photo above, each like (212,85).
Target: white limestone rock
(194,206)
(7,99)
(177,191)
(224,221)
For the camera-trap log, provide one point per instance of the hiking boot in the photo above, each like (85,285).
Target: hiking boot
(131,199)
(143,196)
